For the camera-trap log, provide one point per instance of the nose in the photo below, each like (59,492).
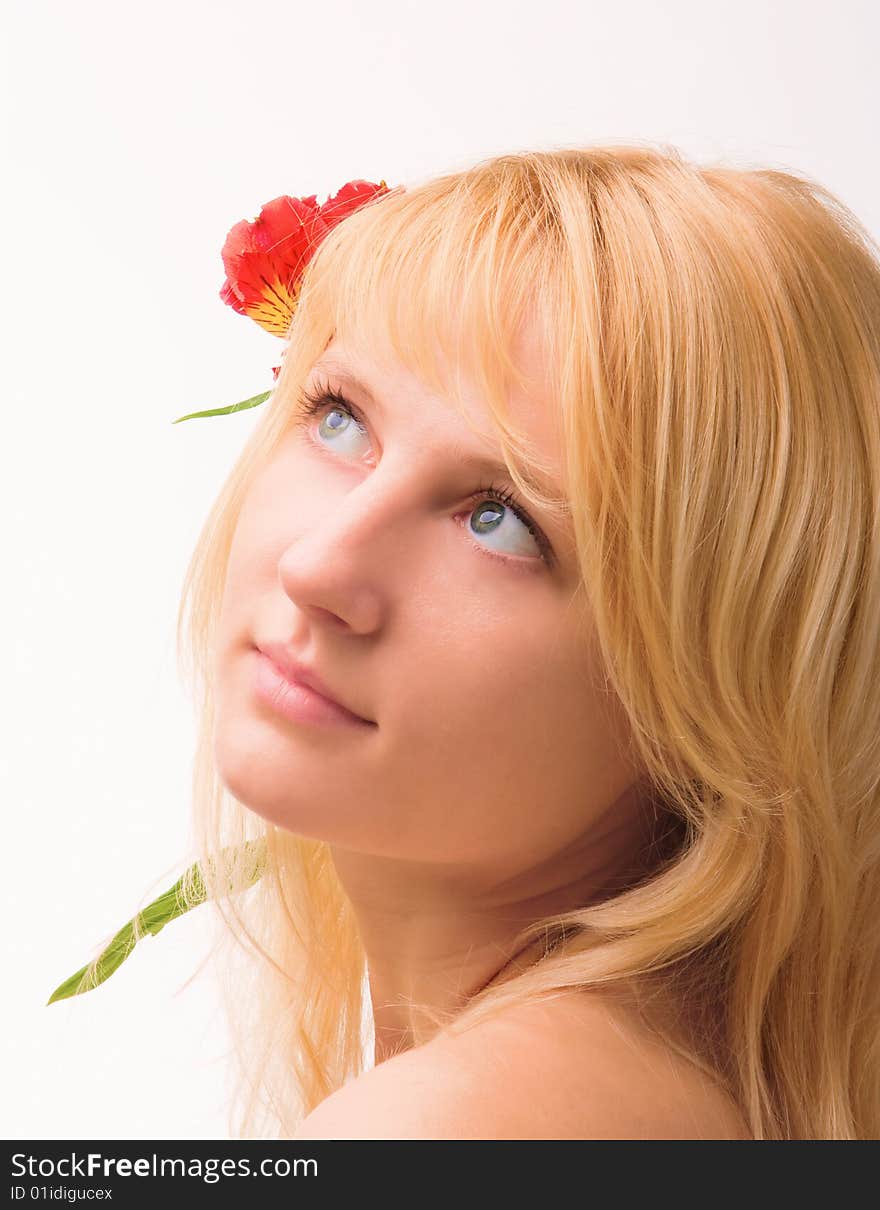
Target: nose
(340,567)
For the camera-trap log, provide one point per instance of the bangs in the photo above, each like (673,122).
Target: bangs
(448,278)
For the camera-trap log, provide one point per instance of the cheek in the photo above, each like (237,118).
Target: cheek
(504,737)
(261,532)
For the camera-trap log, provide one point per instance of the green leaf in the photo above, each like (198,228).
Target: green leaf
(253,402)
(152,919)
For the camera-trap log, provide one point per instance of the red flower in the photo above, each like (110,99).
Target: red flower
(265,259)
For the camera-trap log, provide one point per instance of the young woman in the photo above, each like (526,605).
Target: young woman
(535,633)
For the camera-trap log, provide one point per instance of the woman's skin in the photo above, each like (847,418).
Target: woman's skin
(495,786)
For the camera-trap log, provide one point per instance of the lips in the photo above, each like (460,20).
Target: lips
(293,670)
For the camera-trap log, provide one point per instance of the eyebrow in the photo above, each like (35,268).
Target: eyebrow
(474,459)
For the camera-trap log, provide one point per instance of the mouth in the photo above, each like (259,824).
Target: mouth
(296,689)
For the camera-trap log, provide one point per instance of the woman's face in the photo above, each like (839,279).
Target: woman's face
(367,547)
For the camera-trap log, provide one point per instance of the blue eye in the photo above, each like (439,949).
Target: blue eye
(488,521)
(339,427)
(495,505)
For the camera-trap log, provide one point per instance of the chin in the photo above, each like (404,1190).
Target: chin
(281,792)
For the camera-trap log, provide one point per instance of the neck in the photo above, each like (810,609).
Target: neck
(435,936)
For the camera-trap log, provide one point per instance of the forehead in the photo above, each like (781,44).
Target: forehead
(530,401)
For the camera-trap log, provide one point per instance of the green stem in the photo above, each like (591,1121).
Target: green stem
(152,919)
(253,402)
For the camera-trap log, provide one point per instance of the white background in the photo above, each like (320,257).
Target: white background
(135,136)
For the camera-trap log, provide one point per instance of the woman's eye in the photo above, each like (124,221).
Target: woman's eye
(498,524)
(339,428)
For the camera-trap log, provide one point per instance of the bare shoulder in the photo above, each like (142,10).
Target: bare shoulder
(571,1068)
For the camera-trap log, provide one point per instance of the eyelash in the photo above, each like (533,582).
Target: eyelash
(313,402)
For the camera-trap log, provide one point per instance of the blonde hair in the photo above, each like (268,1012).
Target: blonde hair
(714,345)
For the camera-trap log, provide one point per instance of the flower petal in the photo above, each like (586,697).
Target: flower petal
(265,259)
